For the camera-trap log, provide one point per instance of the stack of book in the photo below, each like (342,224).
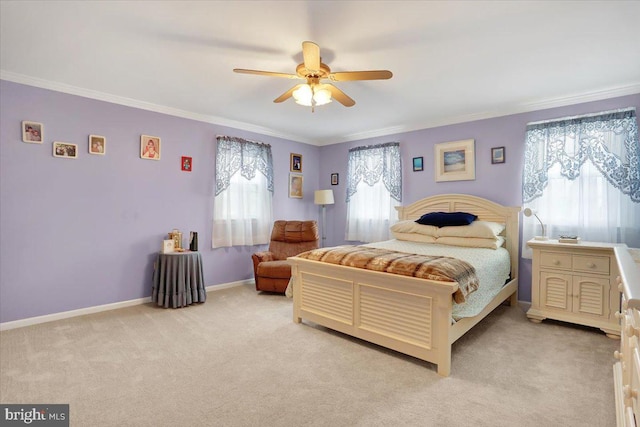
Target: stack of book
(568,239)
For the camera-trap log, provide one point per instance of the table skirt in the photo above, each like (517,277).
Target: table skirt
(178,280)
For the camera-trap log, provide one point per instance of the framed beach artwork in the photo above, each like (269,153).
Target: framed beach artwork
(497,155)
(149,147)
(65,150)
(418,164)
(32,132)
(97,144)
(295,186)
(455,161)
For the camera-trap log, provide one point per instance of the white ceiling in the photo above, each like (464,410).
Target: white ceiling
(452,61)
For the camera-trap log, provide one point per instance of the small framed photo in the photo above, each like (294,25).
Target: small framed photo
(455,161)
(295,162)
(168,246)
(295,186)
(65,150)
(186,163)
(97,144)
(418,164)
(32,132)
(149,147)
(497,155)
(334,179)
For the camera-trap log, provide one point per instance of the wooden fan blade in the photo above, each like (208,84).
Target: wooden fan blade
(361,75)
(265,73)
(311,55)
(339,95)
(288,94)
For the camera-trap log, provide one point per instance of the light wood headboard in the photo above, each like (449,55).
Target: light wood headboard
(485,209)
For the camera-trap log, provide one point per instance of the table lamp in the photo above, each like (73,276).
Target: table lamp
(530,212)
(324,198)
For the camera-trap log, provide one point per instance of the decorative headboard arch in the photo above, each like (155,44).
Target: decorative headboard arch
(486,210)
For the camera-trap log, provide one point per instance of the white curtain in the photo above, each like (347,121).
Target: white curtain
(242,208)
(582,177)
(374,188)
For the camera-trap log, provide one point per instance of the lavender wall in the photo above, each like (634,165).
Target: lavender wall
(498,182)
(84,232)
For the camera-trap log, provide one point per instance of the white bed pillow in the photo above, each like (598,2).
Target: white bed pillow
(477,229)
(410,226)
(413,237)
(472,242)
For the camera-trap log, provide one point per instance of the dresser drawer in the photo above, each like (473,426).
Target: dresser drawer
(555,260)
(591,264)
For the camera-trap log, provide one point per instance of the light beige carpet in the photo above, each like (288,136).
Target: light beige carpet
(239,360)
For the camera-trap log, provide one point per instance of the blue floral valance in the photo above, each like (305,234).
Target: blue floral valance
(240,155)
(372,163)
(608,139)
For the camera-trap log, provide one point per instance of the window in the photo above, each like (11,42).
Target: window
(582,176)
(242,207)
(374,189)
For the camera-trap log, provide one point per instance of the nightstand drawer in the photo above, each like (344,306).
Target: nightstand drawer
(591,264)
(555,260)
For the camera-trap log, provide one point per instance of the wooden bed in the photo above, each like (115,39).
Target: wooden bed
(406,314)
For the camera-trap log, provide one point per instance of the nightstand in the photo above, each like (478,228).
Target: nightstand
(575,282)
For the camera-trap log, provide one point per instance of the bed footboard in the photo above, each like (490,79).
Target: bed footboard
(409,315)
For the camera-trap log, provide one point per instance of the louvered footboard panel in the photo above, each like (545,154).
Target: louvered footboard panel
(398,315)
(328,297)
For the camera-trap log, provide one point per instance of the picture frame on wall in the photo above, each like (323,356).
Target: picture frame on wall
(150,147)
(65,150)
(455,161)
(186,163)
(97,144)
(418,164)
(32,132)
(296,186)
(334,179)
(498,155)
(295,162)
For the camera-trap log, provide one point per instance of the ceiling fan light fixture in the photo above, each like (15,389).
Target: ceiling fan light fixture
(303,95)
(322,97)
(314,92)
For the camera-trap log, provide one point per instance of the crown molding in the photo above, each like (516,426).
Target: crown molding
(356,136)
(129,102)
(511,110)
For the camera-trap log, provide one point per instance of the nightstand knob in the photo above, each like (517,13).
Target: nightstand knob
(591,265)
(617,355)
(629,392)
(556,262)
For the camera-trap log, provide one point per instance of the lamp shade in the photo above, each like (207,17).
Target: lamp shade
(323,197)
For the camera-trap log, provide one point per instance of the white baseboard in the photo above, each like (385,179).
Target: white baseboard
(99,308)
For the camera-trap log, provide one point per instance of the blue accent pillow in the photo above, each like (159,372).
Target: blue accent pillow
(445,219)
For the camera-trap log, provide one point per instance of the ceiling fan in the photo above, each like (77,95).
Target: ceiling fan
(314,92)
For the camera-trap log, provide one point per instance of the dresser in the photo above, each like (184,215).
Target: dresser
(575,282)
(626,371)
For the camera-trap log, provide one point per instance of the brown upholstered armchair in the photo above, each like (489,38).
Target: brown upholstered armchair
(288,238)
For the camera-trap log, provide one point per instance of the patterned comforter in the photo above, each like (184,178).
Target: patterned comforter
(441,268)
